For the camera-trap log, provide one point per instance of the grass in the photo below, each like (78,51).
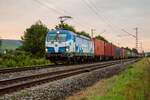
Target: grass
(131,84)
(21,60)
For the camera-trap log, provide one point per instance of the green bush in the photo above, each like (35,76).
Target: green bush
(21,59)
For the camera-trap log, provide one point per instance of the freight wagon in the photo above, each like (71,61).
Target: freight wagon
(118,53)
(113,53)
(99,50)
(123,56)
(107,50)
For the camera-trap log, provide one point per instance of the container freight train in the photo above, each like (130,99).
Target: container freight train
(64,45)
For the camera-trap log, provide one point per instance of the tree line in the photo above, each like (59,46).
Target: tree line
(34,37)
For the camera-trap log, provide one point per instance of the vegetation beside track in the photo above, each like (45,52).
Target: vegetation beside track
(131,84)
(21,59)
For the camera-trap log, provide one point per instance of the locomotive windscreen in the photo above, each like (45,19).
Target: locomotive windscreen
(57,36)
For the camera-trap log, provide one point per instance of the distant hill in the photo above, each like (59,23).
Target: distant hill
(10,44)
(147,54)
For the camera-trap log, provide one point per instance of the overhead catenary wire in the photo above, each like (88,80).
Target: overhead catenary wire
(128,33)
(105,17)
(93,9)
(76,19)
(60,11)
(95,12)
(51,8)
(100,14)
(135,36)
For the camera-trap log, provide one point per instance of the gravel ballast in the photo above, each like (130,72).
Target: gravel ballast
(60,89)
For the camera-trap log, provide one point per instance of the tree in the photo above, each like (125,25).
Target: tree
(71,28)
(84,34)
(65,26)
(127,48)
(101,38)
(34,39)
(135,50)
(0,42)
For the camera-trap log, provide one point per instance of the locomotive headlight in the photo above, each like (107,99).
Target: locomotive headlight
(67,49)
(46,49)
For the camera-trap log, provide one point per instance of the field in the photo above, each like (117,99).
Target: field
(131,84)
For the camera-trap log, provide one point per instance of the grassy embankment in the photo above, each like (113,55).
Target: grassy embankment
(131,84)
(21,59)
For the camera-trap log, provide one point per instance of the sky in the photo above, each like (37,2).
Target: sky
(107,17)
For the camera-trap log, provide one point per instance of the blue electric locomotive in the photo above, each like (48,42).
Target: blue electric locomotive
(66,45)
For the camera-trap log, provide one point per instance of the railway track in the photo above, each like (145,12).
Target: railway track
(38,67)
(15,84)
(12,70)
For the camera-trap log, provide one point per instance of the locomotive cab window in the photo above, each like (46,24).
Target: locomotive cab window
(58,36)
